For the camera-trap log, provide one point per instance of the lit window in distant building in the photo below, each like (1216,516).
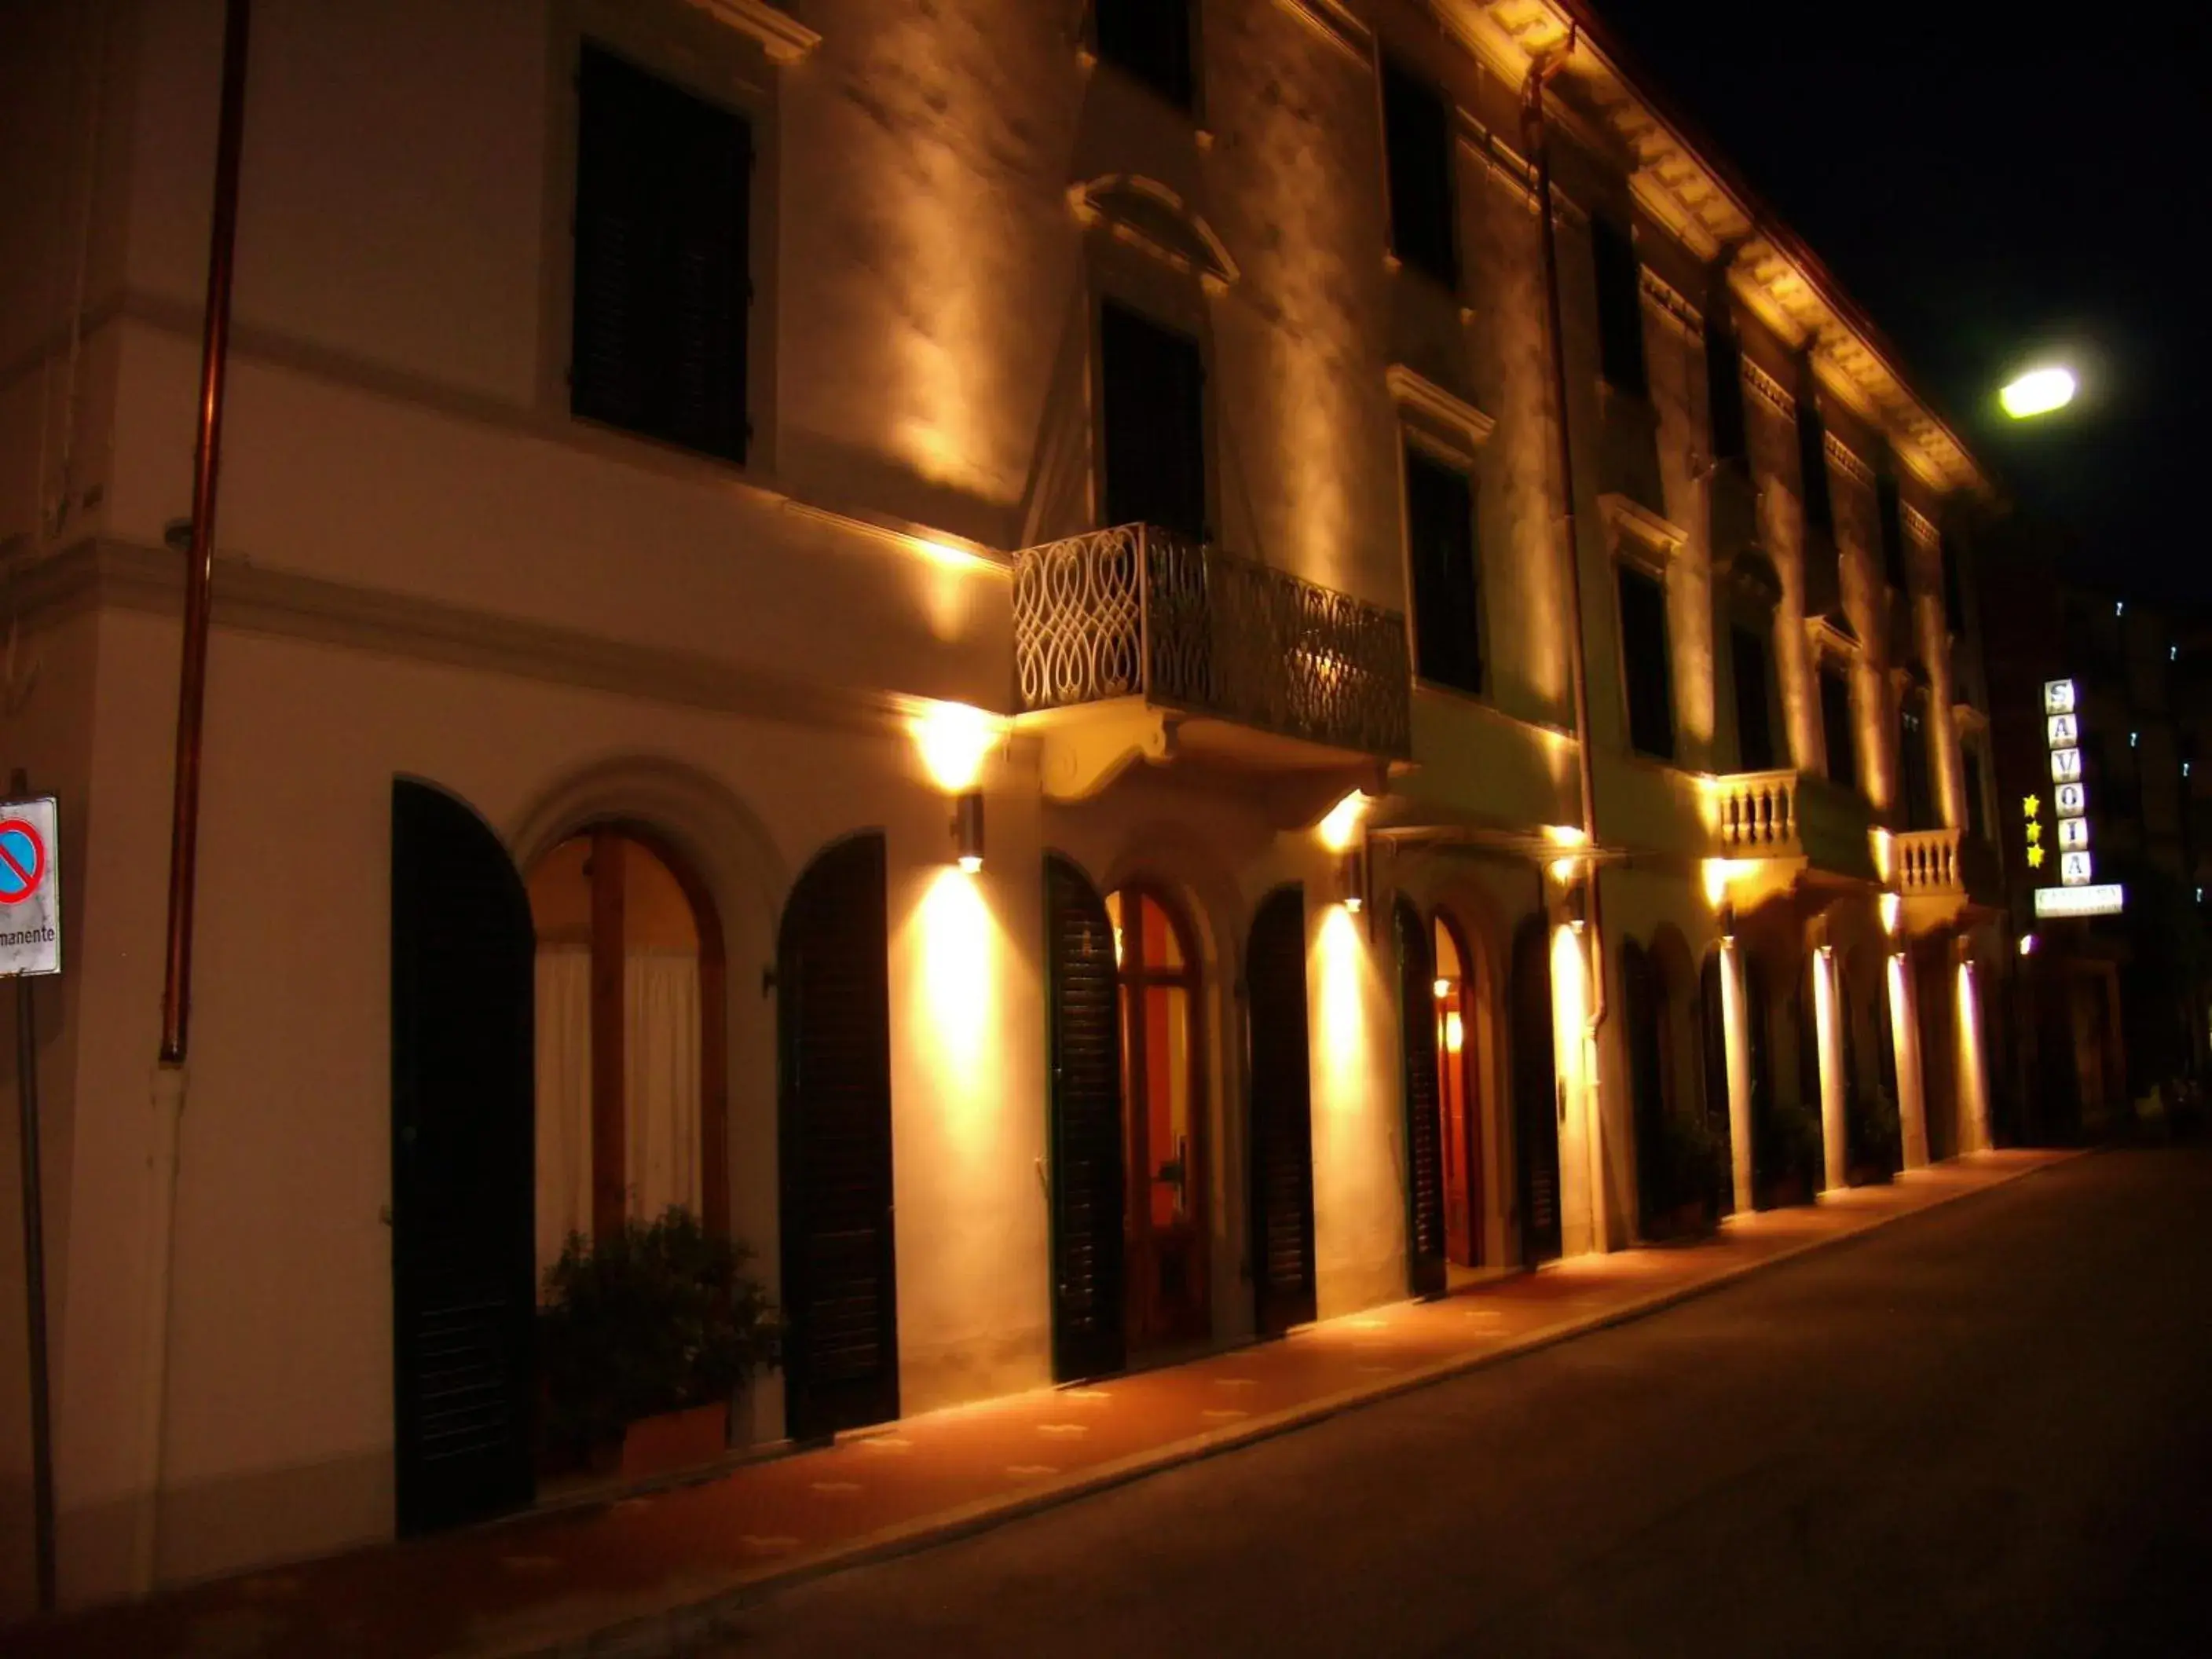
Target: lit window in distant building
(2134,737)
(2173,654)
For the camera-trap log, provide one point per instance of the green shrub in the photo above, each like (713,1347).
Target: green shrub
(1696,1160)
(658,1317)
(1876,1133)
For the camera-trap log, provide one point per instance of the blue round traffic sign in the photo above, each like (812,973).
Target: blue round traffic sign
(22,860)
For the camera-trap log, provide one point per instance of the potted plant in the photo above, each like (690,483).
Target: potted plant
(1798,1155)
(1875,1137)
(644,1338)
(1694,1163)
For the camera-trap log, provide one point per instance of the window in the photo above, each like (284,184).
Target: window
(1151,41)
(1954,590)
(663,211)
(1977,824)
(1755,721)
(1724,389)
(1919,802)
(1447,590)
(1417,145)
(1813,466)
(1619,306)
(1838,731)
(1890,513)
(1154,382)
(1649,676)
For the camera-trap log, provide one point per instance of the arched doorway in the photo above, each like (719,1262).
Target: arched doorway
(1090,1314)
(462,1283)
(1644,1015)
(1422,1089)
(1464,1040)
(632,1074)
(1281,1115)
(1536,1093)
(1164,1150)
(834,1146)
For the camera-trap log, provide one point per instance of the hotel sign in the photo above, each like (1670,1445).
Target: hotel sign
(2078,893)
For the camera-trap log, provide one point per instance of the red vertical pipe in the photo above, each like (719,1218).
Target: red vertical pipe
(199,574)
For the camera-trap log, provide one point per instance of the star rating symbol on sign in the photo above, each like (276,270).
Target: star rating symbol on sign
(2035,834)
(2035,858)
(2032,806)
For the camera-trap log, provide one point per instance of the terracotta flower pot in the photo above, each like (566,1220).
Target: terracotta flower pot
(673,1441)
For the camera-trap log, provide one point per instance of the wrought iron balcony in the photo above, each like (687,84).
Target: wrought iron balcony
(1139,612)
(1794,815)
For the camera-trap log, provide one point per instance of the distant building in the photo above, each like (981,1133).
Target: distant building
(945,637)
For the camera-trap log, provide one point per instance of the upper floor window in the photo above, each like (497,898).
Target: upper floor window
(1754,717)
(1724,388)
(1813,466)
(1417,144)
(1154,385)
(1914,773)
(1954,591)
(1646,669)
(1619,306)
(662,288)
(1151,41)
(1970,766)
(1447,586)
(1838,731)
(1889,513)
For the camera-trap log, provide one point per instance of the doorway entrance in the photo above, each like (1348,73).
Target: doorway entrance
(463,1306)
(1163,1122)
(1536,1093)
(1420,992)
(1281,1114)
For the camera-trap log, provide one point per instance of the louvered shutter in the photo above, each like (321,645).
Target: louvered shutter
(840,1279)
(1089,1326)
(1154,386)
(1424,1151)
(1536,1093)
(1281,1114)
(1440,544)
(464,1138)
(664,186)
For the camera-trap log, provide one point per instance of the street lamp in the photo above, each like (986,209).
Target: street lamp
(2038,392)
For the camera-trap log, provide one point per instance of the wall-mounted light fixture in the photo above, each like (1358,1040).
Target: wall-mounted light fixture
(2027,945)
(1891,907)
(968,830)
(1727,917)
(1352,879)
(1574,904)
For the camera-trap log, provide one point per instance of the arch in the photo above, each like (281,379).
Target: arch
(1149,214)
(1421,1078)
(1281,1118)
(1536,1105)
(462,1302)
(834,1144)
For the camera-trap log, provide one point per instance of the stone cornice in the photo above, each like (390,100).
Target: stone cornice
(780,35)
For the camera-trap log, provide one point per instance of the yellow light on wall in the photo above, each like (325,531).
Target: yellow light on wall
(1443,988)
(1718,874)
(954,739)
(1337,830)
(2039,391)
(1891,906)
(1455,1033)
(968,830)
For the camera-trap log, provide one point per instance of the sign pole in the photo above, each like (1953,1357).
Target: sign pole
(34,1271)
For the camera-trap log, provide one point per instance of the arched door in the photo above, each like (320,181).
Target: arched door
(1281,1114)
(1163,1122)
(1422,1085)
(1536,1093)
(462,1281)
(1463,1045)
(834,1146)
(1089,1319)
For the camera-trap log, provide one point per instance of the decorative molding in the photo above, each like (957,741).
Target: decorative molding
(1419,397)
(1151,218)
(1847,461)
(780,35)
(1660,294)
(1336,25)
(1918,526)
(1629,521)
(1832,638)
(1766,386)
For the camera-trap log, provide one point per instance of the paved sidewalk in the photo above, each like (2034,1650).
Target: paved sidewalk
(646,1575)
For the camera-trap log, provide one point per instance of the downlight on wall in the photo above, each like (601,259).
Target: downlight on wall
(968,830)
(1339,833)
(954,739)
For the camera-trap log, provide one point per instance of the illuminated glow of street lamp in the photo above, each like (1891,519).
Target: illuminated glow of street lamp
(2038,392)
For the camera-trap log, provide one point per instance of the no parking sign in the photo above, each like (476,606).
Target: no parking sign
(30,889)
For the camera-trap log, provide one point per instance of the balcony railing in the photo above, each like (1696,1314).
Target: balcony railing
(1790,814)
(1927,862)
(1140,612)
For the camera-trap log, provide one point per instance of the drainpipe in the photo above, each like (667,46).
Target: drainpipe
(168,1083)
(1532,112)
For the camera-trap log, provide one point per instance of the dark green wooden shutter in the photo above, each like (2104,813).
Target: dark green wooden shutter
(1281,1114)
(1417,142)
(663,186)
(1424,1151)
(1440,540)
(1089,1313)
(1650,675)
(840,1266)
(1536,1093)
(1619,306)
(1154,386)
(463,1141)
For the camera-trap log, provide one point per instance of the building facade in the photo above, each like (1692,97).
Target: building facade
(949,635)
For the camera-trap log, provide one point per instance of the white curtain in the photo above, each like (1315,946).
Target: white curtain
(564,1098)
(661,1104)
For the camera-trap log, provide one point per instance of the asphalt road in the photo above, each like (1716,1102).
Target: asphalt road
(1983,1430)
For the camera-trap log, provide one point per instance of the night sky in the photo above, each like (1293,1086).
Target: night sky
(1994,185)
